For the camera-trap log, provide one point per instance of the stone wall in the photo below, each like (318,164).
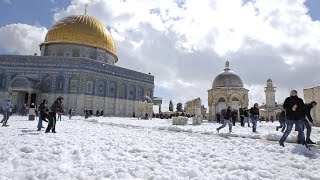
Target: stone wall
(313,94)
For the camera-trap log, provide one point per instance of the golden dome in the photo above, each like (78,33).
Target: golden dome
(84,30)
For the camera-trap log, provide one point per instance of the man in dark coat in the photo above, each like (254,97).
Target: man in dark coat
(43,113)
(306,122)
(234,115)
(295,114)
(56,108)
(254,116)
(282,121)
(241,111)
(218,118)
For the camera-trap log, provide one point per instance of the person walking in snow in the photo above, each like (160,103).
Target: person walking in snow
(70,113)
(282,121)
(254,116)
(43,113)
(226,119)
(307,121)
(295,115)
(241,112)
(234,115)
(56,108)
(218,117)
(246,117)
(7,108)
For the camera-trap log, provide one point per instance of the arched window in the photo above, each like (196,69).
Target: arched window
(102,87)
(122,91)
(60,83)
(112,89)
(74,80)
(2,81)
(89,85)
(46,84)
(221,100)
(132,92)
(235,99)
(140,93)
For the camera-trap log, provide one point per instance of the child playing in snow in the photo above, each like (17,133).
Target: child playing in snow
(226,120)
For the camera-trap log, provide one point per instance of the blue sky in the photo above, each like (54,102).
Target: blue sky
(40,12)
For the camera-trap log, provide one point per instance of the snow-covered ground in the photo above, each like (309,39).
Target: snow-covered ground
(123,148)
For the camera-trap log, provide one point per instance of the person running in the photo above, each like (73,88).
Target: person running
(254,116)
(295,115)
(282,121)
(7,108)
(43,111)
(56,107)
(226,119)
(246,117)
(307,121)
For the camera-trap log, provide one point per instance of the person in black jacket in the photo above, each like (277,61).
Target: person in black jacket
(234,115)
(56,108)
(306,122)
(43,111)
(226,119)
(282,121)
(254,116)
(295,114)
(241,112)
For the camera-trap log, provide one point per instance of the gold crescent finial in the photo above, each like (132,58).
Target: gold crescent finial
(85,9)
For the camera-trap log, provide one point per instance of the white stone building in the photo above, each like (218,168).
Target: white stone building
(313,94)
(227,90)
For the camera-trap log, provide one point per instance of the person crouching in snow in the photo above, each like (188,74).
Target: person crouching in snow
(226,120)
(254,112)
(55,109)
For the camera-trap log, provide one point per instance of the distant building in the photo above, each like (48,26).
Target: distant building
(227,90)
(270,108)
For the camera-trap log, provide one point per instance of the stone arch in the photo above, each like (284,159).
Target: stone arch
(3,81)
(221,99)
(74,84)
(236,96)
(46,84)
(60,83)
(122,91)
(218,96)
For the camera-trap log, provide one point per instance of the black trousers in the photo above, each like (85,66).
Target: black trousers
(242,120)
(52,122)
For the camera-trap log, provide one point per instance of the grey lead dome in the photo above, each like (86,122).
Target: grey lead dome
(228,79)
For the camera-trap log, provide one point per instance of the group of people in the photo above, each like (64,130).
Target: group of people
(229,117)
(295,112)
(50,114)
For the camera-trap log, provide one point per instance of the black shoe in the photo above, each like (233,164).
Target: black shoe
(39,130)
(5,125)
(47,131)
(281,143)
(298,141)
(308,141)
(277,128)
(54,132)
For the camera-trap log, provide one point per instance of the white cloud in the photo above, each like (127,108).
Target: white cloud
(21,38)
(184,45)
(8,2)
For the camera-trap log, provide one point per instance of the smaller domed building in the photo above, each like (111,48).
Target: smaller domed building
(227,90)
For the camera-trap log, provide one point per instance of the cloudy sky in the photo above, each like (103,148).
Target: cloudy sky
(185,43)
